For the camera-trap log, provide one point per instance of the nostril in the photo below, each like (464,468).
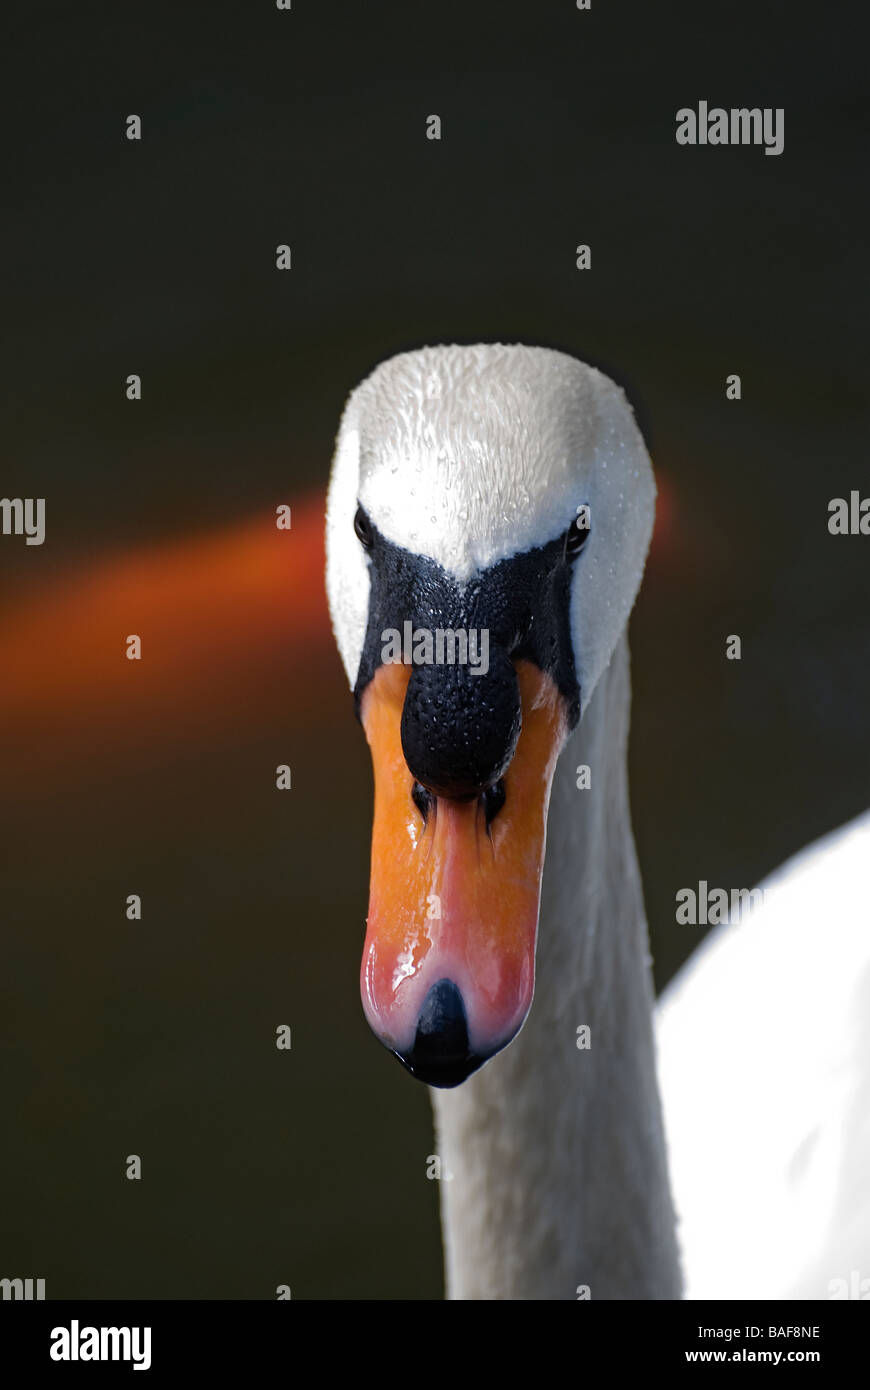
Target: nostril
(493,799)
(422,799)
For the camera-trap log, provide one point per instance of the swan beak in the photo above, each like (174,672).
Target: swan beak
(448,966)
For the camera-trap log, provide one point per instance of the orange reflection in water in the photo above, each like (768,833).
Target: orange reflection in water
(232,622)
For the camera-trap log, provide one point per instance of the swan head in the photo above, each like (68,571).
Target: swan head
(489,513)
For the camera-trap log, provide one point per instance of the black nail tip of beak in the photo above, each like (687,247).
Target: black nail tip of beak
(440,1055)
(444,1075)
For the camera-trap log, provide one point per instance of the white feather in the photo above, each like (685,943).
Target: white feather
(764,1055)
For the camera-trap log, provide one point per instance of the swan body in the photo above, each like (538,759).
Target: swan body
(764,1052)
(496,869)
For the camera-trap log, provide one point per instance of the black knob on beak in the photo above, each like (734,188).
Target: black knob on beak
(460,730)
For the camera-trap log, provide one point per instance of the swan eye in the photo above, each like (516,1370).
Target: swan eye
(577,534)
(363,528)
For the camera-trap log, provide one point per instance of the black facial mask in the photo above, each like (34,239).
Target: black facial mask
(460,729)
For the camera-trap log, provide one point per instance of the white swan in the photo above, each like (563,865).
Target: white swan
(464,472)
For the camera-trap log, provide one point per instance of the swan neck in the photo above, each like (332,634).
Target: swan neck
(554,1179)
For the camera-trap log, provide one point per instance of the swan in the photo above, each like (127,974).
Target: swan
(506,490)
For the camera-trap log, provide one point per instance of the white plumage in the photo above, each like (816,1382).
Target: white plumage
(764,1045)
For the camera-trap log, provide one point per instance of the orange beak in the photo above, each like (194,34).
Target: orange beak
(448,967)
